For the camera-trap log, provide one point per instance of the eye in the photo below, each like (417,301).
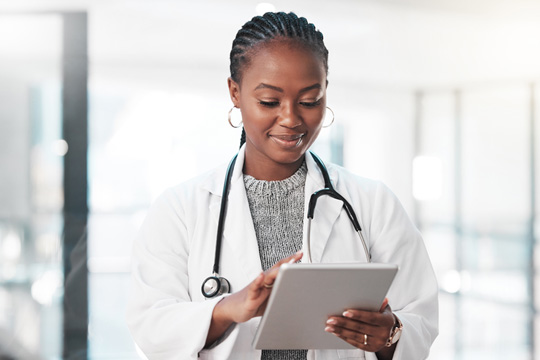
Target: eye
(310,104)
(269,103)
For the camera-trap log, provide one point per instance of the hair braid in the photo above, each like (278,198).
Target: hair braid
(262,29)
(243,137)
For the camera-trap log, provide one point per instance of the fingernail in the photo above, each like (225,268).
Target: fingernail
(331,321)
(329,329)
(348,314)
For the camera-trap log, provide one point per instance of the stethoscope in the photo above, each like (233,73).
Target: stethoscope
(216,285)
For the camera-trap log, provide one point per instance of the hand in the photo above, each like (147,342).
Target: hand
(251,300)
(246,303)
(355,325)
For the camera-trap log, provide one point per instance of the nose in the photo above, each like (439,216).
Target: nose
(289,116)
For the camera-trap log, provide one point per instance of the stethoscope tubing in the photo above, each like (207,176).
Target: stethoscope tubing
(222,213)
(328,191)
(308,243)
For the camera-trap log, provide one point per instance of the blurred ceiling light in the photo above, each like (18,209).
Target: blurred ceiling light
(427,178)
(11,246)
(451,281)
(263,8)
(60,147)
(47,286)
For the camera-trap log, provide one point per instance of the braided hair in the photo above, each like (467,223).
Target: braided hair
(270,26)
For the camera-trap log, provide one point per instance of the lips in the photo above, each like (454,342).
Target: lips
(287,141)
(285,137)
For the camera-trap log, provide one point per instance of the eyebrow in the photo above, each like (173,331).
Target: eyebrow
(267,86)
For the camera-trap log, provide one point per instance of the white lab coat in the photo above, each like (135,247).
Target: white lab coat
(174,253)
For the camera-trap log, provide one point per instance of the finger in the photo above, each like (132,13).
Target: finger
(348,328)
(383,319)
(357,340)
(352,325)
(256,287)
(353,332)
(262,308)
(291,259)
(270,277)
(271,274)
(384,304)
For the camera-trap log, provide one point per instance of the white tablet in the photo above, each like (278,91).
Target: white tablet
(304,295)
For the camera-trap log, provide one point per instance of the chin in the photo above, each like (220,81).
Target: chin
(289,157)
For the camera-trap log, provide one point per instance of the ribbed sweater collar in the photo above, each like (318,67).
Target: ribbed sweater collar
(262,187)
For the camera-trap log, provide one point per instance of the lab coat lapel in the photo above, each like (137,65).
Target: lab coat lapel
(238,232)
(326,212)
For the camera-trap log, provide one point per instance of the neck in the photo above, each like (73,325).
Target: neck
(266,169)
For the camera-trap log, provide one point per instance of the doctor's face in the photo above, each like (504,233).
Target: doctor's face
(282,98)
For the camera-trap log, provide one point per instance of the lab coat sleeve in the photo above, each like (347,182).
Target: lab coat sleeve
(163,320)
(413,295)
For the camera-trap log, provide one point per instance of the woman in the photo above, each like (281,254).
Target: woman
(279,67)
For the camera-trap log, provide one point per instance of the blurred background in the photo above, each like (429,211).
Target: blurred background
(105,103)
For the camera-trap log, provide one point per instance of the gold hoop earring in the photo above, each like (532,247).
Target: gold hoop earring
(229,117)
(333,117)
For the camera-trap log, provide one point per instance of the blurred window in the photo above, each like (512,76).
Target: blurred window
(31,194)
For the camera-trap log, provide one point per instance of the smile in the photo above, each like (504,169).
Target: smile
(288,141)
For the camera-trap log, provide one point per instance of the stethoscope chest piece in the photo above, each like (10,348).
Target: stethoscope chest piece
(215,286)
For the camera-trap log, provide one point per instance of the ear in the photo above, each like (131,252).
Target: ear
(234,92)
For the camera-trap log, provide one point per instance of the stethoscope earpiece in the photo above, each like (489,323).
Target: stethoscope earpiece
(215,286)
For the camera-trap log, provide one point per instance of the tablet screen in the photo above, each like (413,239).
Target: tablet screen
(304,295)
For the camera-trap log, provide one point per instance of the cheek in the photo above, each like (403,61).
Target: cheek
(249,115)
(315,133)
(315,119)
(256,117)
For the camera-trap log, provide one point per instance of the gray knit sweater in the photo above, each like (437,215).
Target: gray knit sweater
(277,209)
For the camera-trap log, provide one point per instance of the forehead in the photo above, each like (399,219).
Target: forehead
(283,61)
